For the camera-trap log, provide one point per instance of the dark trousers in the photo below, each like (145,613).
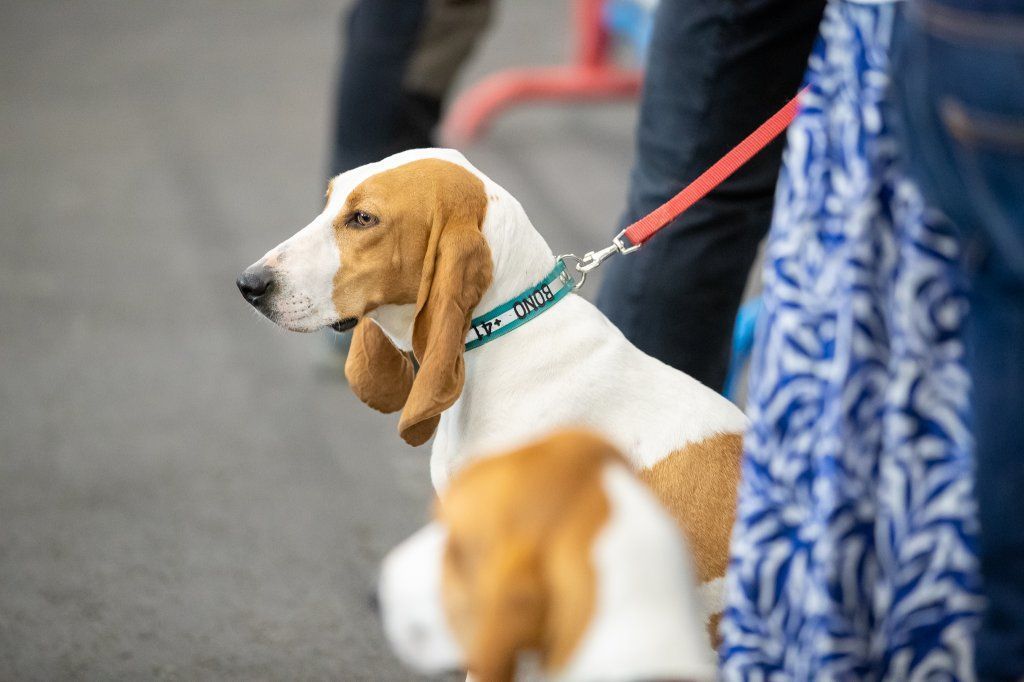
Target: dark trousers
(959,87)
(370,110)
(716,70)
(399,62)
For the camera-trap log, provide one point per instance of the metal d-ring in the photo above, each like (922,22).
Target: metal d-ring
(566,277)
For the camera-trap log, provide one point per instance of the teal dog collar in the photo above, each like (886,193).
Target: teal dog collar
(521,309)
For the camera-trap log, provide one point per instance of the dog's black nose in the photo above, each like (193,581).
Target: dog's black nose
(255,283)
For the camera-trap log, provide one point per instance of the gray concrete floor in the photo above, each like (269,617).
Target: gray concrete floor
(187,492)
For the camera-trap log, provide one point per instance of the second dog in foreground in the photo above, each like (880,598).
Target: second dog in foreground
(554,552)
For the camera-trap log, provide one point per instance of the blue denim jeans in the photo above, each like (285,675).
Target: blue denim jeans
(716,70)
(959,86)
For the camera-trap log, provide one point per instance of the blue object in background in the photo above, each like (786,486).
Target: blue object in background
(631,22)
(742,344)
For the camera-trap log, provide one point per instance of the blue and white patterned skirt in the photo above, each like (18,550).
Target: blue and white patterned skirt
(853,555)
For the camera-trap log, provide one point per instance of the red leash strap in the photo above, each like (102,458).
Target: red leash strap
(643,229)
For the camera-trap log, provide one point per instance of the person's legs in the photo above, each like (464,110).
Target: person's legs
(960,85)
(715,71)
(401,58)
(381,36)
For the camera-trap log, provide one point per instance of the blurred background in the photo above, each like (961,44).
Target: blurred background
(186,491)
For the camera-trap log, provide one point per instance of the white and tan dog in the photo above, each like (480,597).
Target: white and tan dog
(554,552)
(412,248)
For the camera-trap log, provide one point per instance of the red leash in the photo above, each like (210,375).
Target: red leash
(645,228)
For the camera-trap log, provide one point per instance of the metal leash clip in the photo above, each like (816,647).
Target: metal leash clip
(593,259)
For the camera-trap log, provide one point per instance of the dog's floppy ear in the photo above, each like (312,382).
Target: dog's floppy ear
(519,572)
(380,375)
(456,272)
(510,612)
(538,594)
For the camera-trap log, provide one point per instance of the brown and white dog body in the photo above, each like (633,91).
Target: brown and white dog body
(556,551)
(420,243)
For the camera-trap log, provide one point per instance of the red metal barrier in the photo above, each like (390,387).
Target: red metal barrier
(590,76)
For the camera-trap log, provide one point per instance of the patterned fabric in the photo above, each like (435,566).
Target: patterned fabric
(853,554)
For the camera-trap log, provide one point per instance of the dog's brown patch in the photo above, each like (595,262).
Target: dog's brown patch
(521,528)
(713,622)
(698,484)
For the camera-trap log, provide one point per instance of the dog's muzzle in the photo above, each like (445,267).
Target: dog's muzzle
(257,286)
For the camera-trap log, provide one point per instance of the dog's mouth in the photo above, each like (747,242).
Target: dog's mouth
(345,325)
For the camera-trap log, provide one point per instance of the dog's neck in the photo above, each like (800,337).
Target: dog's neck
(521,258)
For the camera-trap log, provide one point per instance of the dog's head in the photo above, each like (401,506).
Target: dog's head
(505,568)
(402,234)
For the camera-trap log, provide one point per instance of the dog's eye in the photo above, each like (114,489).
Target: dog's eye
(362,219)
